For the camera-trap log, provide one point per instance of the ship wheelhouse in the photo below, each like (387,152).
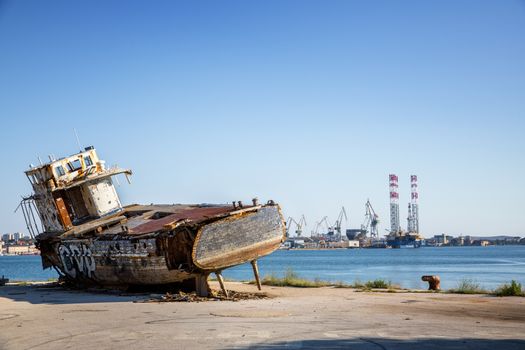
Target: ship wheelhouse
(71,191)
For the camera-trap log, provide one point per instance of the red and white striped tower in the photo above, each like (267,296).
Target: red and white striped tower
(413,219)
(394,204)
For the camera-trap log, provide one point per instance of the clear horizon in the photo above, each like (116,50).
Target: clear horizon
(309,103)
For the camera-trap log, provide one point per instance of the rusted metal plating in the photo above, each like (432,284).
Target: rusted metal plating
(163,251)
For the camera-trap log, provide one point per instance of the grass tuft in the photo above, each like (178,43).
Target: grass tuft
(512,289)
(292,279)
(378,284)
(468,286)
(341,284)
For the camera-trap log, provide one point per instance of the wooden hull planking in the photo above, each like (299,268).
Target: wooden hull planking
(183,251)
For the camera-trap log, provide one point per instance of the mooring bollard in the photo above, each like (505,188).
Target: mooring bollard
(433,282)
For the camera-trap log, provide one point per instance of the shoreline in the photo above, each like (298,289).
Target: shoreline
(490,268)
(47,317)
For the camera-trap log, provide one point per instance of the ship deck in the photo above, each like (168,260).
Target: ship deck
(139,219)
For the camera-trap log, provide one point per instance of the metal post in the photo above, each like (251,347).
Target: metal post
(221,282)
(256,273)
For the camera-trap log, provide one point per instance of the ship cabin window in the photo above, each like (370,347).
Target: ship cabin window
(88,161)
(59,171)
(74,165)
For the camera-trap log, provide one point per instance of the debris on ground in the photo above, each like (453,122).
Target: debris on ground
(193,297)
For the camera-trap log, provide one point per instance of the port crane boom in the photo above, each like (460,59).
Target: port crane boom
(371,221)
(289,223)
(318,226)
(298,225)
(338,222)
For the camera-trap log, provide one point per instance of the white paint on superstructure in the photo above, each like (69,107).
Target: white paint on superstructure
(73,189)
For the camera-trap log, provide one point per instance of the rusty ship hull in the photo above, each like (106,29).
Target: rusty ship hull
(156,245)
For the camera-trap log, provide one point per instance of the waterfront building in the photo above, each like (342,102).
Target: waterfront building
(16,249)
(441,239)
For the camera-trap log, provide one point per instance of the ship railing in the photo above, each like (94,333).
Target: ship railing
(28,207)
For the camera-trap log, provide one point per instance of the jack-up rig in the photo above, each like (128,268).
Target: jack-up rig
(397,238)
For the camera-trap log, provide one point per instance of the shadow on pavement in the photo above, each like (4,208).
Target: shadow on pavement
(394,344)
(35,294)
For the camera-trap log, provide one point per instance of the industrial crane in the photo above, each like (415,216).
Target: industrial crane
(298,225)
(371,220)
(318,225)
(289,223)
(337,226)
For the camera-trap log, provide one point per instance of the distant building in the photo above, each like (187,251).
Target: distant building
(16,249)
(17,236)
(481,243)
(311,245)
(508,240)
(7,237)
(298,243)
(442,239)
(353,244)
(457,241)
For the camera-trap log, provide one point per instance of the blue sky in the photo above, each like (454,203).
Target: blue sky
(309,103)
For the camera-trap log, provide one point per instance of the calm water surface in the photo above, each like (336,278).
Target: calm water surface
(489,266)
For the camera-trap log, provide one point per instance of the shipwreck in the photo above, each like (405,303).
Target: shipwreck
(84,232)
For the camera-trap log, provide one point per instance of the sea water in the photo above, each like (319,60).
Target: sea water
(488,266)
